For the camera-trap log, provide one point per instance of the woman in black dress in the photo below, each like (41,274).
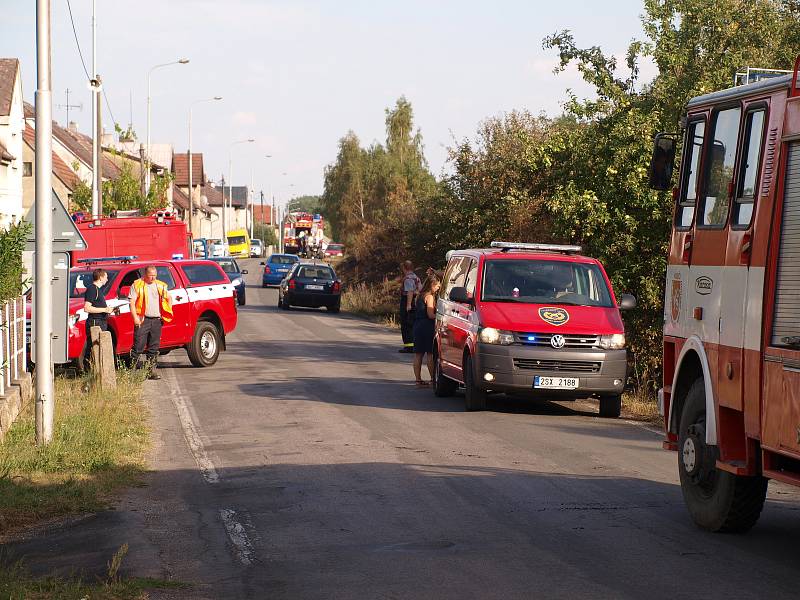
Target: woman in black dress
(424,322)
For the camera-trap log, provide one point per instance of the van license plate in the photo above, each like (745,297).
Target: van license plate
(555,383)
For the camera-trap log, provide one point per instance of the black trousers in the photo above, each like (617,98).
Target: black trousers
(90,322)
(406,323)
(147,340)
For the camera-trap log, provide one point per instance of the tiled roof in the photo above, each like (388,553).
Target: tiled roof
(180,168)
(29,109)
(179,198)
(81,146)
(5,156)
(60,168)
(213,195)
(237,193)
(267,214)
(9,67)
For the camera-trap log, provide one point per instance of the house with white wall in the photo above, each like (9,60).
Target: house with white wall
(12,125)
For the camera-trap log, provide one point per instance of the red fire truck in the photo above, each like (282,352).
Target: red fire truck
(159,236)
(731,395)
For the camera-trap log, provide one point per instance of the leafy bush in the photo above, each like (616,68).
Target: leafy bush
(12,243)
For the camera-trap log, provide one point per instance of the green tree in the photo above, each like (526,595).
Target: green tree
(310,204)
(124,193)
(12,243)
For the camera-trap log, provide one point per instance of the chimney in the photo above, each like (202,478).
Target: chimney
(72,127)
(106,139)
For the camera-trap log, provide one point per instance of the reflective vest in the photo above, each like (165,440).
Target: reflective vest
(140,287)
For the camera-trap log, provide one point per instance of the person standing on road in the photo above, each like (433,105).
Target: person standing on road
(410,289)
(424,322)
(151,308)
(94,304)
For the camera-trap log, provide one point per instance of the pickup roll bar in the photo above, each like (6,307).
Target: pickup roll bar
(564,249)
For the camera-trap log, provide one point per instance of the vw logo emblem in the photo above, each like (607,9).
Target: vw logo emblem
(557,341)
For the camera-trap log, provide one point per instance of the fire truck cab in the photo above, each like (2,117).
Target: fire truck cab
(731,387)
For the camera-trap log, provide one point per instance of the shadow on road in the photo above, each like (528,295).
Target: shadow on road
(424,530)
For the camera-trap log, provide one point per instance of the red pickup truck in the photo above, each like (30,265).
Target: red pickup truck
(203,302)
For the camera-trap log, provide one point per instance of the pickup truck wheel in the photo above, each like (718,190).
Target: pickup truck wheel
(610,406)
(443,386)
(717,500)
(474,397)
(205,346)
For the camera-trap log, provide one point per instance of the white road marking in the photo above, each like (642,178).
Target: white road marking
(238,536)
(183,407)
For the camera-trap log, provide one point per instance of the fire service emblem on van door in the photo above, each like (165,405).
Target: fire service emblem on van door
(554,315)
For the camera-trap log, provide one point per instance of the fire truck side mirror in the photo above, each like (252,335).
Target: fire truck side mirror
(662,162)
(627,302)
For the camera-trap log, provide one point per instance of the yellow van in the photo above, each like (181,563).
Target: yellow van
(239,243)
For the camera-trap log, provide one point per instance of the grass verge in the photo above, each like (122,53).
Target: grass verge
(378,302)
(99,444)
(16,583)
(641,406)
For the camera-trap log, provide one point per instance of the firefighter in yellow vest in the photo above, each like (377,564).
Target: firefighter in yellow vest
(150,308)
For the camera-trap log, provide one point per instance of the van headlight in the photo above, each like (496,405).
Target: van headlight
(615,341)
(236,282)
(490,335)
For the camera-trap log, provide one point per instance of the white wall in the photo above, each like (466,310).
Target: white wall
(11,128)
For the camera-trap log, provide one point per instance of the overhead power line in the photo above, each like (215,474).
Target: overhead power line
(83,62)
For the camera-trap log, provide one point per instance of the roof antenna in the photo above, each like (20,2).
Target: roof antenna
(68,106)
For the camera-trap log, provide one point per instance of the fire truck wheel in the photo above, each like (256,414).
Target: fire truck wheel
(717,500)
(443,386)
(474,397)
(610,406)
(204,348)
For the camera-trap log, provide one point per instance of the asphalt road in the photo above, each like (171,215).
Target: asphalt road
(305,464)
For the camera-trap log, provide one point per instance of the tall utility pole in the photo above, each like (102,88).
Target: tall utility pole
(250,198)
(230,187)
(43,300)
(97,198)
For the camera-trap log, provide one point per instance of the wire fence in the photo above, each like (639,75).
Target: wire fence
(13,325)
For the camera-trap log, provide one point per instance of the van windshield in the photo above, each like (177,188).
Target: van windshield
(532,281)
(236,240)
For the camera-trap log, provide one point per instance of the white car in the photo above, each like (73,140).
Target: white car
(256,249)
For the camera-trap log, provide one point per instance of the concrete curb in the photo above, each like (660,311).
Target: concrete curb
(11,404)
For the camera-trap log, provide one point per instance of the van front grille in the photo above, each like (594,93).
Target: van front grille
(543,339)
(558,366)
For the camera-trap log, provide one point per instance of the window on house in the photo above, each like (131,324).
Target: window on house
(27,169)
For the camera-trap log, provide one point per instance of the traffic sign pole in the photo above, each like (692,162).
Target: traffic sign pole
(43,324)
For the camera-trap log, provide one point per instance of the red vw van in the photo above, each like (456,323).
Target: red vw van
(533,319)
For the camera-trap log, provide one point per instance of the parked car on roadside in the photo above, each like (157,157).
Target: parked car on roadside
(256,248)
(236,274)
(311,285)
(202,303)
(276,267)
(531,319)
(334,250)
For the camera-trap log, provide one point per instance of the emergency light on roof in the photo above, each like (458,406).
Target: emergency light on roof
(506,246)
(122,259)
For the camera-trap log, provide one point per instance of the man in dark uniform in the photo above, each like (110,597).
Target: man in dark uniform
(94,304)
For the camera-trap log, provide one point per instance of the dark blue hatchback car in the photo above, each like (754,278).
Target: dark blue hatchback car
(276,267)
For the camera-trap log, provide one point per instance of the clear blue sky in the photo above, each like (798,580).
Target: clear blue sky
(297,75)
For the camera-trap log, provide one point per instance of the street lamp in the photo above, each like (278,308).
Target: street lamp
(181,61)
(191,206)
(230,187)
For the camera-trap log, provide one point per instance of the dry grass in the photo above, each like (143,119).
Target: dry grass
(641,406)
(371,300)
(99,444)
